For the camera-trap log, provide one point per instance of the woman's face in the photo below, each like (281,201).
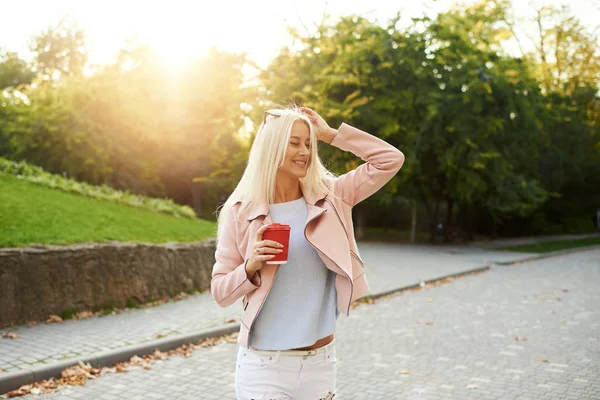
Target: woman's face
(297,156)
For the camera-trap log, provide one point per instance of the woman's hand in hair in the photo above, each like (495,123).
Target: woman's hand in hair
(324,131)
(264,250)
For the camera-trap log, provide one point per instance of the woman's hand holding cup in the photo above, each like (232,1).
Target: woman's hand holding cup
(264,250)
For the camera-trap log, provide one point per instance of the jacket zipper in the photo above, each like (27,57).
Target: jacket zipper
(315,247)
(339,218)
(347,237)
(357,259)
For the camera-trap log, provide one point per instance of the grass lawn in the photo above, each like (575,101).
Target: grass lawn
(547,247)
(33,214)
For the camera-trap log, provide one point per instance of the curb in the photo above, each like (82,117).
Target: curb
(14,380)
(434,280)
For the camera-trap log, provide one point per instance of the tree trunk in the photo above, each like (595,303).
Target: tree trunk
(494,227)
(360,225)
(413,224)
(448,236)
(435,220)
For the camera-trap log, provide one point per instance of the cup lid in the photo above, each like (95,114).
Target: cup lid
(277,226)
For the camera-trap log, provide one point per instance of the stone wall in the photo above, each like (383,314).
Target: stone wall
(38,281)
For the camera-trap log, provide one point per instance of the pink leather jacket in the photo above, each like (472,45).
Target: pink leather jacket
(329,230)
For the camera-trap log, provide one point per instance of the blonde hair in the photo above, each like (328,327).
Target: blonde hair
(266,156)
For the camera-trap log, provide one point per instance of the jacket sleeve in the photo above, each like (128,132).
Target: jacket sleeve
(382,162)
(229,278)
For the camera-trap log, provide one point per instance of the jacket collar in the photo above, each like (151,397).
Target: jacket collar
(262,208)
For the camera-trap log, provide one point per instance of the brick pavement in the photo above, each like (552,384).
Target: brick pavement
(388,266)
(469,351)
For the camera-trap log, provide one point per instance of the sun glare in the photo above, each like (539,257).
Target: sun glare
(175,52)
(175,35)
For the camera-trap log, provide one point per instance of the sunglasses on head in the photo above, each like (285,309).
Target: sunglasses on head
(273,112)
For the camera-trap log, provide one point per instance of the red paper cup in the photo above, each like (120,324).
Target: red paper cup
(280,233)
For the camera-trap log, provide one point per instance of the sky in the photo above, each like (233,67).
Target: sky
(182,30)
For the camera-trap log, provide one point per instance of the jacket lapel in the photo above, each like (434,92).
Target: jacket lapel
(330,239)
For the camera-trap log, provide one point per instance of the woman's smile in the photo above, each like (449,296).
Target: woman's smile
(300,164)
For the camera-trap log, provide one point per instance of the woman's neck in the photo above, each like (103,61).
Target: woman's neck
(287,190)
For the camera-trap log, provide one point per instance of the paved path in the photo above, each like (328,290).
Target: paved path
(387,266)
(468,352)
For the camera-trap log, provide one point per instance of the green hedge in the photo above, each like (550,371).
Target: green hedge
(35,174)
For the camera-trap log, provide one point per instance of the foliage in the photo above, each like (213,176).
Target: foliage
(60,50)
(31,173)
(494,143)
(14,71)
(464,114)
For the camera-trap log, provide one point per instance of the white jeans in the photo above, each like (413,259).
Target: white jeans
(285,377)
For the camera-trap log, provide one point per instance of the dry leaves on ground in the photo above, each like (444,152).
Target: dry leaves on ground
(10,335)
(520,338)
(54,318)
(79,374)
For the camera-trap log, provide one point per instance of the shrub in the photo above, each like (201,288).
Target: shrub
(35,174)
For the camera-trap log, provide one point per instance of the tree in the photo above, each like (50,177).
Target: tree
(60,50)
(14,71)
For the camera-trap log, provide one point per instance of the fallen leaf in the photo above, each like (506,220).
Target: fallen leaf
(544,360)
(520,338)
(10,335)
(54,318)
(565,290)
(84,315)
(424,322)
(472,386)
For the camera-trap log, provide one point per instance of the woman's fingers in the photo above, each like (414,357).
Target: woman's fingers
(269,250)
(310,113)
(260,231)
(268,243)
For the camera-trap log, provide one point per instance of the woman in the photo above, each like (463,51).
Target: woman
(287,328)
